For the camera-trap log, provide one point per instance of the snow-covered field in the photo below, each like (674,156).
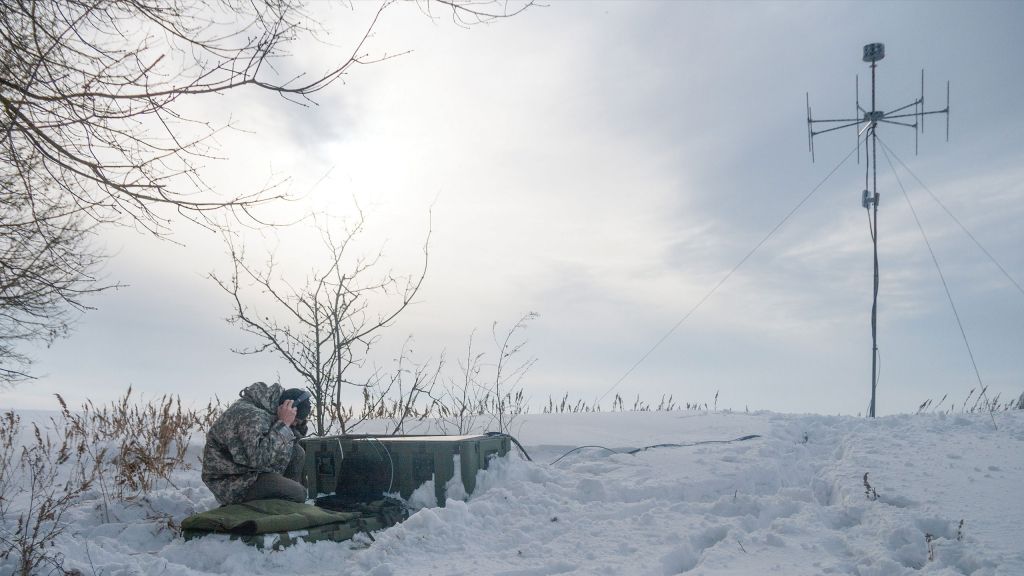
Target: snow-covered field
(790,502)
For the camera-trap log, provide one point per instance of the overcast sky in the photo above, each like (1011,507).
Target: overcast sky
(605,165)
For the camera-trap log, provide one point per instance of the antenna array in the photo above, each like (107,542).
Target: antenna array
(865,123)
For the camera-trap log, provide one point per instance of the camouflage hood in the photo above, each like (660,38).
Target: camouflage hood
(265,396)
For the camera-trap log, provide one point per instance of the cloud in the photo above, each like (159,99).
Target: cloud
(606,165)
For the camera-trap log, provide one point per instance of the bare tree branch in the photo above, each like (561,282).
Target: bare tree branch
(324,326)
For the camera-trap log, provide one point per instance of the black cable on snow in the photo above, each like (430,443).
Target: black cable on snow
(740,439)
(578,448)
(645,448)
(520,446)
(514,441)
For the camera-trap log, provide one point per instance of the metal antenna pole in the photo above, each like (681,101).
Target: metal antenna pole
(874,241)
(866,122)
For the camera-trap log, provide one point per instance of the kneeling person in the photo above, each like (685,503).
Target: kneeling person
(252,450)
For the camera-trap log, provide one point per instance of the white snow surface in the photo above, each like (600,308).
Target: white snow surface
(791,501)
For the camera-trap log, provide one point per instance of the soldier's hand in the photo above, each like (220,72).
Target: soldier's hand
(286,412)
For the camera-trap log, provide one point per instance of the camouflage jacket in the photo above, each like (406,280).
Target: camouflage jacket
(246,440)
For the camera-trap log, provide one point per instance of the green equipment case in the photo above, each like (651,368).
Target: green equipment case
(364,467)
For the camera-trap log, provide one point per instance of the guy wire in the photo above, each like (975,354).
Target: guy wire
(730,273)
(942,277)
(960,224)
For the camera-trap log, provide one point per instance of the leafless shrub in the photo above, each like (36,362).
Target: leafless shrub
(400,396)
(48,477)
(484,393)
(326,324)
(146,442)
(508,399)
(481,395)
(464,399)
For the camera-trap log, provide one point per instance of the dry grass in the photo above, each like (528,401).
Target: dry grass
(146,441)
(125,449)
(976,402)
(48,476)
(665,404)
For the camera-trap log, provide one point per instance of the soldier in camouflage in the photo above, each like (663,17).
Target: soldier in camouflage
(252,450)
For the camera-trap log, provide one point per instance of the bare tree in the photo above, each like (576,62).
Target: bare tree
(326,325)
(47,265)
(93,88)
(93,128)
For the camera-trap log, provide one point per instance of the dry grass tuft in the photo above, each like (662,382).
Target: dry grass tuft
(146,441)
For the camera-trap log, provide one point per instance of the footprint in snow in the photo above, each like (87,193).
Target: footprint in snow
(687,556)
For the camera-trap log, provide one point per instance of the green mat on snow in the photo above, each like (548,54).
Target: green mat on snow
(279,523)
(263,516)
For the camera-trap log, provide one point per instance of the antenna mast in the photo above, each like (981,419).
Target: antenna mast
(865,123)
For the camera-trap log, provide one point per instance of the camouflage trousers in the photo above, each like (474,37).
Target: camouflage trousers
(287,486)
